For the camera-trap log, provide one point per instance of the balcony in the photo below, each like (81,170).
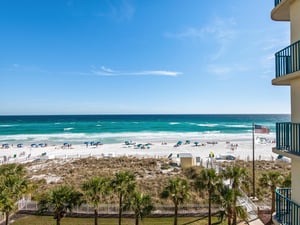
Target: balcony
(287,61)
(277,2)
(288,138)
(287,211)
(281,10)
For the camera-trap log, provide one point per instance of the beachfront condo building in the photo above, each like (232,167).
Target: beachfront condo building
(287,70)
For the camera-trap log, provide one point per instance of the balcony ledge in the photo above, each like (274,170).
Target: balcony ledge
(285,153)
(286,79)
(282,11)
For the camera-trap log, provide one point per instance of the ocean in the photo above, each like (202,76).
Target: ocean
(77,129)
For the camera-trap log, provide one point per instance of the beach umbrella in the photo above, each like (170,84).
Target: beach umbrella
(5,146)
(139,145)
(179,143)
(19,145)
(187,141)
(86,143)
(34,145)
(196,143)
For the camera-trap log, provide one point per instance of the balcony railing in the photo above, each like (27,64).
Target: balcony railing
(287,211)
(288,60)
(277,2)
(288,137)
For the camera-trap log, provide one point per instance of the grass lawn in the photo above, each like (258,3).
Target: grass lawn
(47,220)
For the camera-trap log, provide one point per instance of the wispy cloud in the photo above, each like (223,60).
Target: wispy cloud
(269,45)
(104,71)
(220,30)
(225,72)
(27,68)
(119,11)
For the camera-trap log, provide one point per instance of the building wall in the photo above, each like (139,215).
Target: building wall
(295,97)
(295,20)
(295,100)
(295,179)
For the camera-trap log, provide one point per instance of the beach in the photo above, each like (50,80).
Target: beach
(242,150)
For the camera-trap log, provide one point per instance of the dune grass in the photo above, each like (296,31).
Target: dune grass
(48,220)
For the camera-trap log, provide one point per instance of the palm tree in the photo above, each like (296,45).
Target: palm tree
(207,180)
(123,184)
(95,189)
(238,180)
(287,180)
(271,180)
(61,199)
(226,200)
(141,204)
(178,190)
(13,185)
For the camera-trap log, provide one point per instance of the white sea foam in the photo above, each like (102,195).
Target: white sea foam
(174,123)
(9,125)
(68,128)
(206,125)
(238,126)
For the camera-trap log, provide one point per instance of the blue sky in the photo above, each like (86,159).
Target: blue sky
(139,56)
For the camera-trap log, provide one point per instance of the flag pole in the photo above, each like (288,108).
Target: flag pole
(253,160)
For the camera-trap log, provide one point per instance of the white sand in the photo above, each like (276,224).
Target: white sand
(243,151)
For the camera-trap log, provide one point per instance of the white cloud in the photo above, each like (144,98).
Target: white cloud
(104,71)
(225,72)
(107,70)
(119,11)
(220,31)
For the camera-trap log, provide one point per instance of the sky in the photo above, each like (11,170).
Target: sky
(140,57)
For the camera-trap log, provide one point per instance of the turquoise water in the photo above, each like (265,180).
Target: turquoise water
(118,128)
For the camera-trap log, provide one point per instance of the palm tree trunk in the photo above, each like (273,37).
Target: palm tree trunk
(229,220)
(58,220)
(120,209)
(6,218)
(176,214)
(234,220)
(209,208)
(273,202)
(137,222)
(96,216)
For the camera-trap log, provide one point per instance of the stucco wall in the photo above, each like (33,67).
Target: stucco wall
(296,179)
(295,100)
(295,20)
